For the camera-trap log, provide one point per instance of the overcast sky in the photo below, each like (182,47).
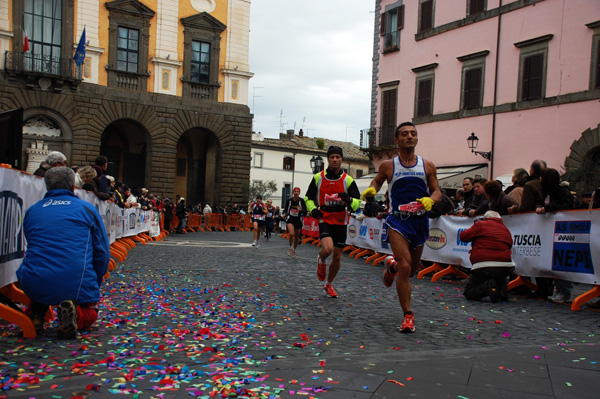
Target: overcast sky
(311,59)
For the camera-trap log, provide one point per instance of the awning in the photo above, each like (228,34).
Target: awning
(451,177)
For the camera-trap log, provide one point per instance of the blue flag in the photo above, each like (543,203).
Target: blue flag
(80,52)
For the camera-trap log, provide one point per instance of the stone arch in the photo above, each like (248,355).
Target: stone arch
(44,130)
(199,156)
(586,146)
(125,143)
(582,165)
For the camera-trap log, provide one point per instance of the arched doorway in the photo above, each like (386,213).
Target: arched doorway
(126,145)
(197,167)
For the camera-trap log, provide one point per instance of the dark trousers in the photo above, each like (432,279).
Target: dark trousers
(477,284)
(167,224)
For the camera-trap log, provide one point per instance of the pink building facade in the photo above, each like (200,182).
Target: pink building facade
(523,75)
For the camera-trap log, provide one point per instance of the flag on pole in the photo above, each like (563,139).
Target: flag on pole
(80,52)
(25,41)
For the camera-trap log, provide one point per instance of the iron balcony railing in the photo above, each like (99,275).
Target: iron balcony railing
(29,63)
(376,137)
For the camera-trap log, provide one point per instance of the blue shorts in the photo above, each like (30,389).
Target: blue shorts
(414,228)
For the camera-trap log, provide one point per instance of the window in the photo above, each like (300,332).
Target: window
(426,15)
(43,23)
(595,58)
(388,116)
(258,159)
(128,44)
(288,163)
(128,49)
(472,79)
(596,68)
(475,6)
(200,62)
(424,89)
(392,22)
(533,74)
(424,97)
(532,68)
(201,51)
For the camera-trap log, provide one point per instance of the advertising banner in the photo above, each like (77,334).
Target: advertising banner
(564,245)
(18,191)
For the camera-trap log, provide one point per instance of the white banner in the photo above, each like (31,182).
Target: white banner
(564,245)
(18,191)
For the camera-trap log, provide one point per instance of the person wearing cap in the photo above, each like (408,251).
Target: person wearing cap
(295,208)
(258,210)
(330,195)
(414,188)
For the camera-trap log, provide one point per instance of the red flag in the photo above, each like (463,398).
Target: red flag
(25,41)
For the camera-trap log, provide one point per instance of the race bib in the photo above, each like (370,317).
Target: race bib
(332,199)
(294,212)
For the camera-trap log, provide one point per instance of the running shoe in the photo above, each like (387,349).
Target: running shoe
(67,315)
(388,273)
(560,297)
(294,253)
(253,243)
(321,269)
(330,291)
(290,252)
(408,324)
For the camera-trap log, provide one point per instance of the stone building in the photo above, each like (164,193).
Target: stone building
(162,90)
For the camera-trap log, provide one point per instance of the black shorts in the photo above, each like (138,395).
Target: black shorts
(259,222)
(336,231)
(295,221)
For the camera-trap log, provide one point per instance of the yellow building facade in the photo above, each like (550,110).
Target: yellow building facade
(162,90)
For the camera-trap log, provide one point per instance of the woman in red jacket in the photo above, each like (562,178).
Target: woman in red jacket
(491,257)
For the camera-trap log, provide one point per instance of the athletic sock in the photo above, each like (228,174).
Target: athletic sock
(409,312)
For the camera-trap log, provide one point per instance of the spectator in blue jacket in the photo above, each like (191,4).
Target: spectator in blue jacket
(66,258)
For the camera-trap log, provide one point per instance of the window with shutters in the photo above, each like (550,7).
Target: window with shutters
(424,106)
(288,163)
(475,6)
(424,90)
(473,71)
(392,22)
(595,66)
(472,88)
(388,115)
(426,12)
(532,68)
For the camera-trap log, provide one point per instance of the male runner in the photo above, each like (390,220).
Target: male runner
(413,187)
(295,208)
(330,193)
(258,210)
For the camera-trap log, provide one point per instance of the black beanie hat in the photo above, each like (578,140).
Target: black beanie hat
(334,149)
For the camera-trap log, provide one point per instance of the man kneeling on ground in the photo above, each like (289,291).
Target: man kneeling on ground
(491,258)
(67,256)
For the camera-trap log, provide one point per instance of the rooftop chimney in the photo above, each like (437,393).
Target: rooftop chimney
(300,133)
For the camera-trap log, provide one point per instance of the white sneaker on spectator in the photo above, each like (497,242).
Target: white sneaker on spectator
(560,297)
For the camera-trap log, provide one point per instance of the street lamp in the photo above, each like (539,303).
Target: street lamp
(316,163)
(472,142)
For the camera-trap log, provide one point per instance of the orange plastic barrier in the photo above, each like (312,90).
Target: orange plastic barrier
(214,221)
(247,223)
(233,222)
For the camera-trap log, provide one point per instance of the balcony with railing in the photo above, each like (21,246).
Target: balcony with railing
(33,67)
(200,91)
(127,80)
(378,140)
